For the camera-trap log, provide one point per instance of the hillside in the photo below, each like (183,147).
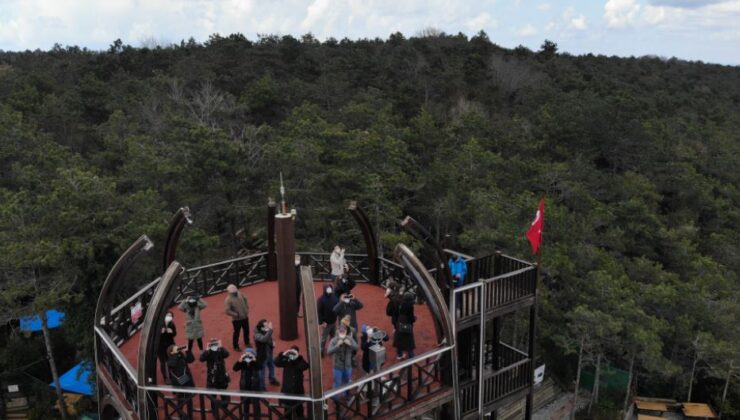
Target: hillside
(637,158)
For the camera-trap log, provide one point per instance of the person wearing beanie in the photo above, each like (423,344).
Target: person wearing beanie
(249,381)
(327,317)
(341,348)
(293,366)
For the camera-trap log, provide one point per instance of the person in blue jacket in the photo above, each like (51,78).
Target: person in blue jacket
(458,269)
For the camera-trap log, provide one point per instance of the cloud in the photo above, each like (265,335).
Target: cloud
(620,13)
(527,30)
(578,23)
(686,4)
(543,7)
(481,21)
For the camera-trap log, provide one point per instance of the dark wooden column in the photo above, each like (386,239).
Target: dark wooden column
(286,276)
(271,261)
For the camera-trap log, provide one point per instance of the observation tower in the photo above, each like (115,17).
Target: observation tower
(463,367)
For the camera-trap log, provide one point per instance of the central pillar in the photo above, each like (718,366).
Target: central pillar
(286,276)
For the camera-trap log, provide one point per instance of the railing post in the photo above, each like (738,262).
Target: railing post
(532,331)
(271,257)
(481,345)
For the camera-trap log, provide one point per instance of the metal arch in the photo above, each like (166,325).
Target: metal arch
(177,224)
(119,270)
(438,307)
(421,233)
(371,243)
(149,341)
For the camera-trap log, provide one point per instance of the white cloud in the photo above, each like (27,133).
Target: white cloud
(543,7)
(481,21)
(578,23)
(620,13)
(527,30)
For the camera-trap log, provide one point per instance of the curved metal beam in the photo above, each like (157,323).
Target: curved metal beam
(438,307)
(149,341)
(313,341)
(177,224)
(371,243)
(419,232)
(112,283)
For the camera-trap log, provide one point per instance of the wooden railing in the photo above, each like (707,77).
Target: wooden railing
(510,287)
(508,380)
(212,279)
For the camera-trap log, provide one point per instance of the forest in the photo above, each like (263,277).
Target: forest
(637,159)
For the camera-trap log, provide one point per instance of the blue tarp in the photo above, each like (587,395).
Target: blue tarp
(54,319)
(71,383)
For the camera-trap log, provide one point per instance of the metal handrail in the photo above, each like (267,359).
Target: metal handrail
(517,260)
(509,274)
(135,295)
(492,373)
(302,398)
(377,375)
(245,257)
(117,353)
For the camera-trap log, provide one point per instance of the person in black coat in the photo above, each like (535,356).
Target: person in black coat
(166,339)
(216,376)
(394,299)
(327,318)
(343,285)
(403,337)
(180,375)
(249,380)
(293,366)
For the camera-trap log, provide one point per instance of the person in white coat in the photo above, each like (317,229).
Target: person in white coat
(338,263)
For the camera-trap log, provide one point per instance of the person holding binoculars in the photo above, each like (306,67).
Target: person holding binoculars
(249,380)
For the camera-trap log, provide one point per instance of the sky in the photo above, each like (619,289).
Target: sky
(706,30)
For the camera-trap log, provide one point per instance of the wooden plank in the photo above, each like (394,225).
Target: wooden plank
(699,410)
(651,406)
(647,417)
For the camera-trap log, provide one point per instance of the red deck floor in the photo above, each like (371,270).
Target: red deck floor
(263,303)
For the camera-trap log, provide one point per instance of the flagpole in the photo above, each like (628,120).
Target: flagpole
(529,407)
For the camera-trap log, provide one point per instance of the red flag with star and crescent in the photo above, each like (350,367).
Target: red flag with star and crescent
(534,234)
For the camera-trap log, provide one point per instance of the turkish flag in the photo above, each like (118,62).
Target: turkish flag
(534,234)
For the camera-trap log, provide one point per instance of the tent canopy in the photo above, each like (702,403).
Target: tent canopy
(71,383)
(54,319)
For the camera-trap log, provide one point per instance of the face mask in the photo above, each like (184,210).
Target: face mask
(168,318)
(342,335)
(234,293)
(213,348)
(292,356)
(345,300)
(329,291)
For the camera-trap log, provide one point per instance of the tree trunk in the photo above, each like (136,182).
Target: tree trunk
(691,381)
(595,389)
(724,393)
(53,365)
(629,384)
(578,379)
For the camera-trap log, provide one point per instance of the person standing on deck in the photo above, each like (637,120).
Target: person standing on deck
(237,307)
(193,324)
(338,263)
